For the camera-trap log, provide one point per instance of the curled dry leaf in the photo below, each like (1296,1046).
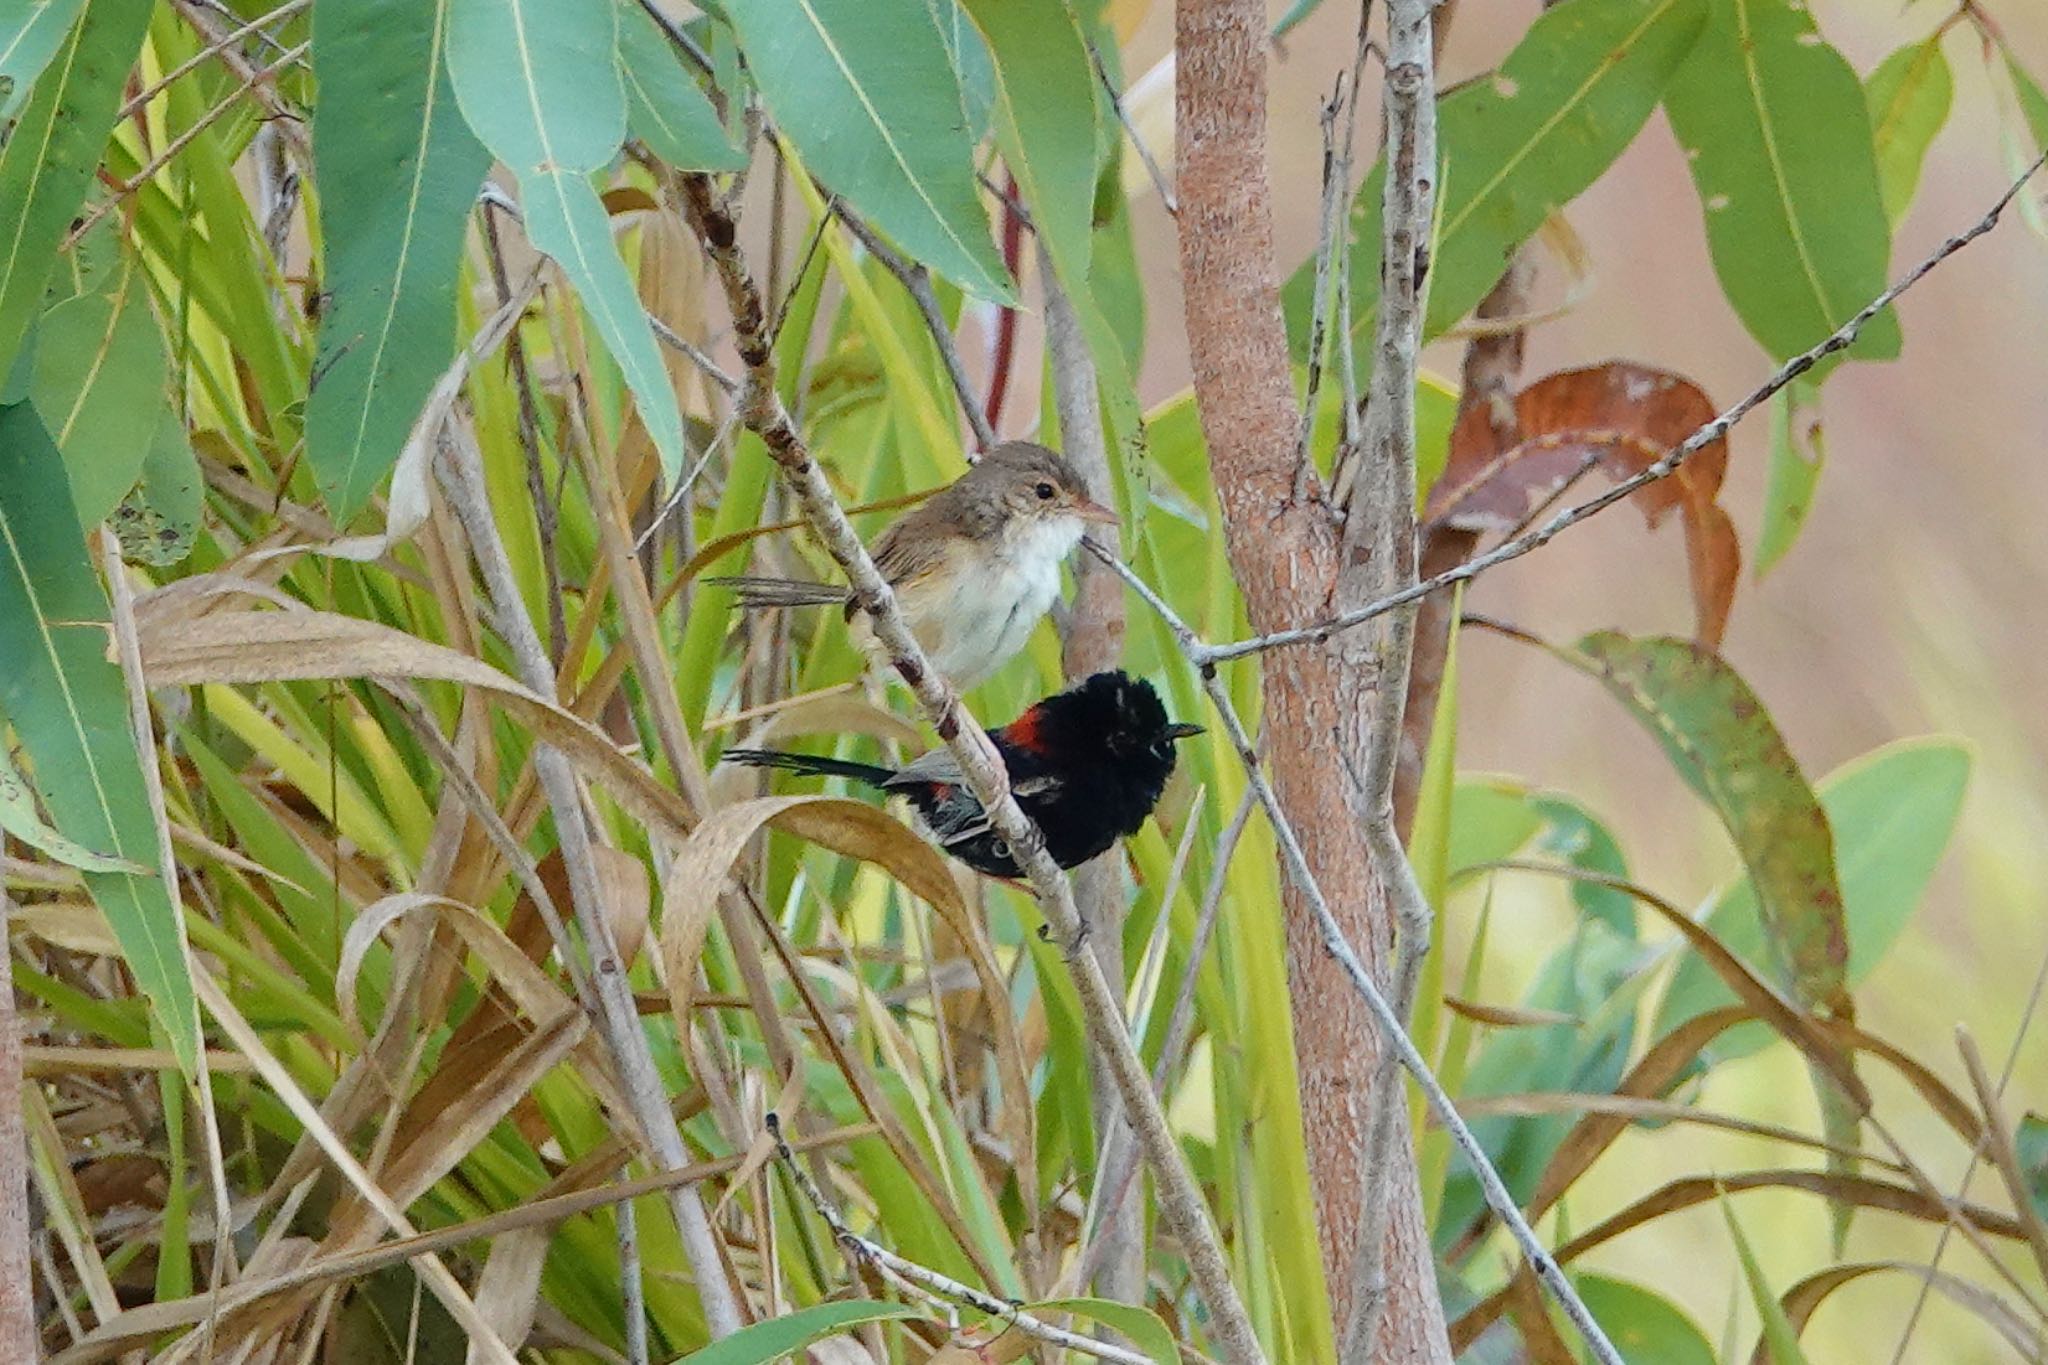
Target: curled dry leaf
(1621,418)
(1802,1299)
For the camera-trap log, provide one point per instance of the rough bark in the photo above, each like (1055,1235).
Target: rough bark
(1284,545)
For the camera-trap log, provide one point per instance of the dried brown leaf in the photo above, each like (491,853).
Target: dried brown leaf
(1622,418)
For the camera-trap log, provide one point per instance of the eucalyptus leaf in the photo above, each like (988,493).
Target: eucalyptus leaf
(98,386)
(1520,143)
(665,107)
(1797,457)
(565,219)
(539,80)
(766,1342)
(1892,811)
(48,159)
(1777,134)
(397,169)
(158,521)
(866,91)
(69,706)
(30,33)
(1909,96)
(19,817)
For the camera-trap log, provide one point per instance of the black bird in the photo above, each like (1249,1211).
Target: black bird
(1087,765)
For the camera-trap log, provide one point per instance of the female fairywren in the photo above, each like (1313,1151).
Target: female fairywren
(974,566)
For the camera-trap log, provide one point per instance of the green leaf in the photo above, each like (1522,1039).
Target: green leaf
(565,219)
(1643,1324)
(1722,743)
(1779,1333)
(972,66)
(2030,1142)
(1045,102)
(539,80)
(665,107)
(99,389)
(1774,124)
(48,160)
(19,817)
(770,1341)
(1892,811)
(866,91)
(1490,820)
(1523,142)
(1909,96)
(395,195)
(158,521)
(30,34)
(1797,456)
(69,705)
(1140,1326)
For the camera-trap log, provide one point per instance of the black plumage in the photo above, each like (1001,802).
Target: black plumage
(1087,765)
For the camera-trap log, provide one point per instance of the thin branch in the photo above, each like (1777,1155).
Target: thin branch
(1383,524)
(213,48)
(763,411)
(863,1252)
(1839,340)
(18,1336)
(1160,185)
(917,282)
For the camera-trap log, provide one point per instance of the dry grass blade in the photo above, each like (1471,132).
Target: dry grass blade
(253,647)
(508,1289)
(436,1276)
(1692,1191)
(1802,1300)
(1657,1111)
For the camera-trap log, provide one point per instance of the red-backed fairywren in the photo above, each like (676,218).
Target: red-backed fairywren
(974,566)
(1087,765)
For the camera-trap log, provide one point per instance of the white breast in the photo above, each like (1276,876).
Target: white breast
(975,638)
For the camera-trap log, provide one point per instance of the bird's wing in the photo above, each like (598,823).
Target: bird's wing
(912,548)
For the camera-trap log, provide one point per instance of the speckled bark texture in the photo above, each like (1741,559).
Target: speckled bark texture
(1284,545)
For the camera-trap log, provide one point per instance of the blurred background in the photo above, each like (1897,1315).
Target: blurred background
(1912,604)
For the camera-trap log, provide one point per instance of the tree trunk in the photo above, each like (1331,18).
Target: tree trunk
(1284,543)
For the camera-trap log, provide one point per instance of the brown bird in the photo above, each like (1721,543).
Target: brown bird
(974,566)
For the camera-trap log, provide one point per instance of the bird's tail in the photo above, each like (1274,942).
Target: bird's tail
(810,765)
(770,594)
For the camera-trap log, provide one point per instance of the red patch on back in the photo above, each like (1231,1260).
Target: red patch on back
(1023,731)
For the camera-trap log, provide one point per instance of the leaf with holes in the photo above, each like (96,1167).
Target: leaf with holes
(1621,418)
(397,170)
(1777,132)
(1521,142)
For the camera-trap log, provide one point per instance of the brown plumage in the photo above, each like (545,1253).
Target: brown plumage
(974,566)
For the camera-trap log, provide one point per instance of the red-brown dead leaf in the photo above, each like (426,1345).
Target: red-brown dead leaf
(1623,418)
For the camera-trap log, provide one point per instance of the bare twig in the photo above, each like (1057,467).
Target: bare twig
(917,282)
(1839,340)
(763,412)
(1160,184)
(1382,524)
(213,48)
(863,1252)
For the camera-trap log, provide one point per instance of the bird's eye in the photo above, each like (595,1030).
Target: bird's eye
(1044,491)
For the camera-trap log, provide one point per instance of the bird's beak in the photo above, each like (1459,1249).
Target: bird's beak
(1087,509)
(1180,729)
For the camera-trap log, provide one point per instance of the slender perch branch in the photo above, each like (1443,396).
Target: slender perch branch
(930,1284)
(764,414)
